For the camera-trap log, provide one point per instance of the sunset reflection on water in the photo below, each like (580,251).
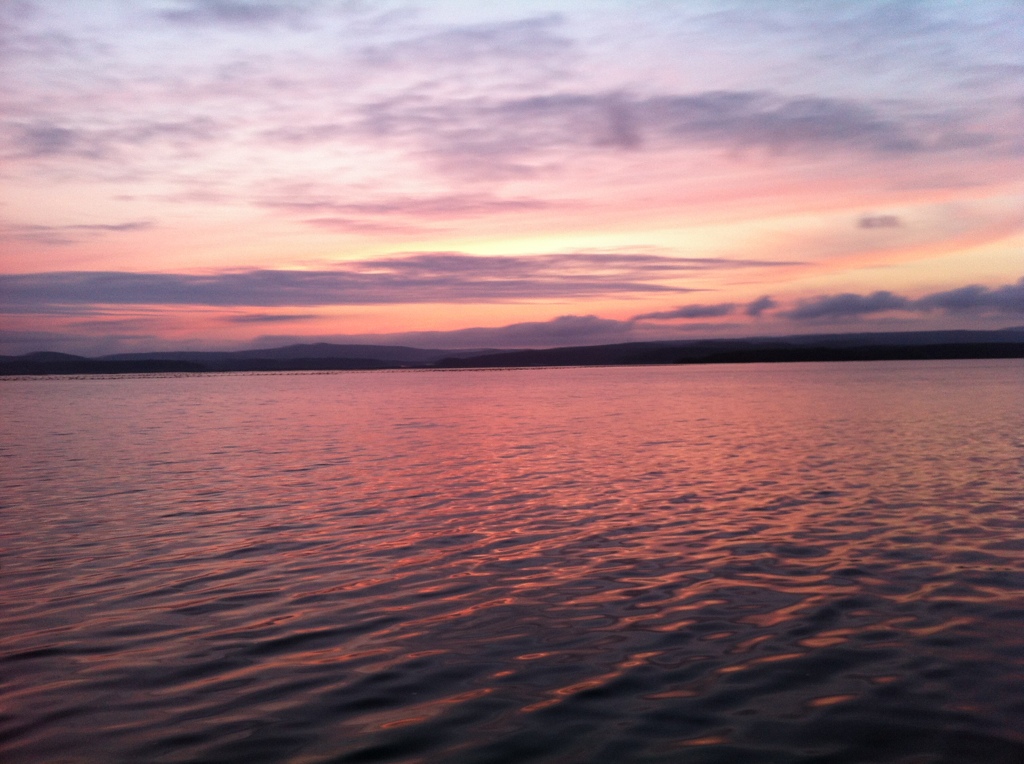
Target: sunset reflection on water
(761,563)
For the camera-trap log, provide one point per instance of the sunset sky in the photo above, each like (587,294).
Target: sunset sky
(219,174)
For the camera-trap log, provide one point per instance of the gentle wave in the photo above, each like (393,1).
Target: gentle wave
(768,564)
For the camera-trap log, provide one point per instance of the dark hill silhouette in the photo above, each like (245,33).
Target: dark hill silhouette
(313,356)
(1003,343)
(63,363)
(839,347)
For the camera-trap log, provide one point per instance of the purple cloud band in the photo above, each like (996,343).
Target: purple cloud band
(1008,298)
(689,311)
(431,277)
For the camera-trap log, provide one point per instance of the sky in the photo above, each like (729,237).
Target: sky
(224,174)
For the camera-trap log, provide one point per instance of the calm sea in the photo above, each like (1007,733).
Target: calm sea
(763,563)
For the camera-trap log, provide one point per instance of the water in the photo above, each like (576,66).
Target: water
(788,563)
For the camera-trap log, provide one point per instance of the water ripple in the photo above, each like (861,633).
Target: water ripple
(758,564)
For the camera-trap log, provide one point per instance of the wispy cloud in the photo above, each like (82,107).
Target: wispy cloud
(1005,299)
(392,213)
(68,234)
(234,12)
(500,99)
(478,132)
(879,221)
(431,277)
(716,310)
(779,123)
(521,42)
(336,211)
(1008,299)
(270,318)
(559,331)
(689,311)
(847,305)
(42,139)
(756,307)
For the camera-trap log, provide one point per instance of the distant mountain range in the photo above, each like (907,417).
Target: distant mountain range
(1002,343)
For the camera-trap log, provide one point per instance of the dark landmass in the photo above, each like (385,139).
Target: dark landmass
(946,351)
(393,356)
(891,346)
(63,363)
(902,346)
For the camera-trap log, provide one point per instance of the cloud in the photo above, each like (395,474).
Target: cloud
(879,221)
(21,35)
(690,311)
(443,207)
(924,44)
(847,305)
(44,140)
(521,42)
(392,214)
(1008,298)
(138,225)
(87,344)
(233,13)
(270,318)
(322,81)
(68,234)
(496,99)
(561,331)
(19,342)
(479,133)
(362,226)
(299,135)
(778,123)
(638,265)
(759,306)
(431,277)
(426,277)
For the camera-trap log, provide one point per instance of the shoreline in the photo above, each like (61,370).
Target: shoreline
(51,364)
